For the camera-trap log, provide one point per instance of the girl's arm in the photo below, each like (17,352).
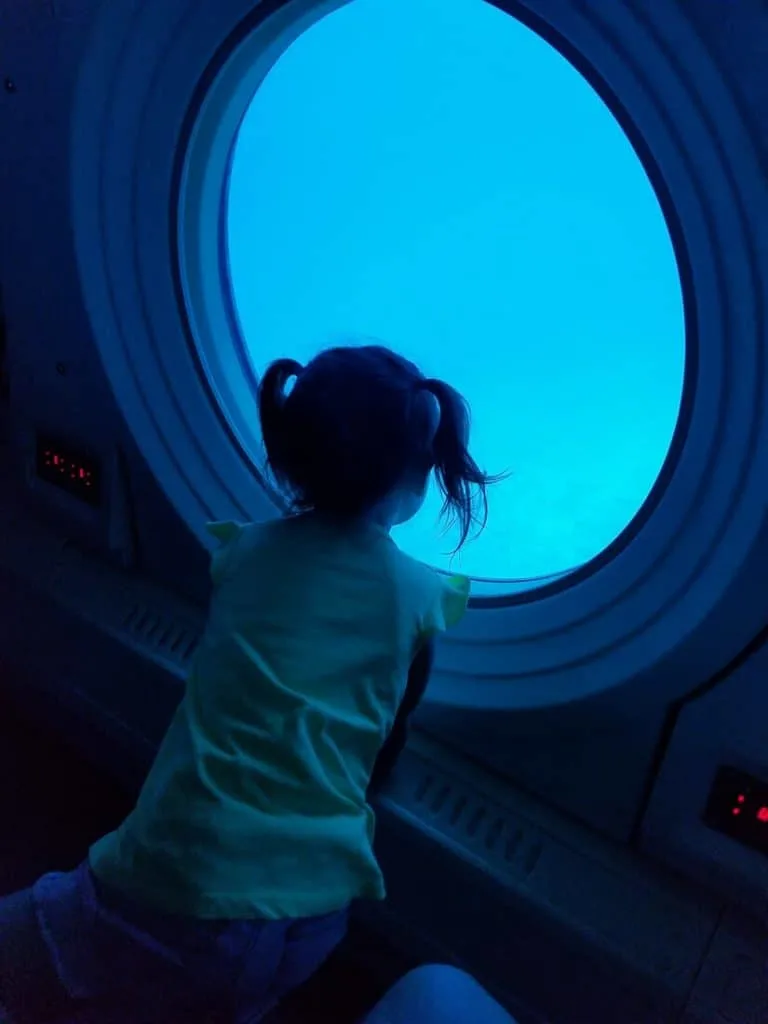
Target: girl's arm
(418,678)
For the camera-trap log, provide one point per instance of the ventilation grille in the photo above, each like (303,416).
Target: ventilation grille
(160,635)
(567,879)
(480,827)
(134,611)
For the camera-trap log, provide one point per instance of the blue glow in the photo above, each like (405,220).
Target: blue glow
(433,174)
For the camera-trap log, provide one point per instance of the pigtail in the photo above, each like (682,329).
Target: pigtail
(272,400)
(460,479)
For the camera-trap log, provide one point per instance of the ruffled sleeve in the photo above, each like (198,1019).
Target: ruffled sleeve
(448,605)
(229,534)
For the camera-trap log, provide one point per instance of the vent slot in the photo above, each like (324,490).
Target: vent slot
(424,787)
(458,809)
(493,834)
(476,821)
(532,855)
(512,844)
(438,802)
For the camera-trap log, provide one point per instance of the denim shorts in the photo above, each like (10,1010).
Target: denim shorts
(72,951)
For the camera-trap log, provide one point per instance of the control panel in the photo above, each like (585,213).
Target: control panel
(72,471)
(738,806)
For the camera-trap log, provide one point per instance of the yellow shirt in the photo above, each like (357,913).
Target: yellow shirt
(256,803)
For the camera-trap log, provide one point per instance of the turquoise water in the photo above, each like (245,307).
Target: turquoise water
(433,174)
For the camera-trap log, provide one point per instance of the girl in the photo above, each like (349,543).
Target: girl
(230,882)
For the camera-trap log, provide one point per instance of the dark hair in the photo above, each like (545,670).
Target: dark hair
(356,424)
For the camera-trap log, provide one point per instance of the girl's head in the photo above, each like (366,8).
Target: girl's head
(361,430)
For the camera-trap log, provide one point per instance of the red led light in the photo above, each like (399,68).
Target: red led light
(762,814)
(736,810)
(68,471)
(741,798)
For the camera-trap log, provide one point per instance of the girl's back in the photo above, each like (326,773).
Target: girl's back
(256,804)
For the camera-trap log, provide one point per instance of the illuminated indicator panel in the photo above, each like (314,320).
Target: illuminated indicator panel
(738,806)
(69,470)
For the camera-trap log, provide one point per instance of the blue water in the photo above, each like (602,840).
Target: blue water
(433,174)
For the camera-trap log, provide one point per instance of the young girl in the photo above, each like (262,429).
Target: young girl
(230,882)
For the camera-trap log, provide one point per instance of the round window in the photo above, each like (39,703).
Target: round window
(435,175)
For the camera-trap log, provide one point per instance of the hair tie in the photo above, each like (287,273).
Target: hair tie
(290,368)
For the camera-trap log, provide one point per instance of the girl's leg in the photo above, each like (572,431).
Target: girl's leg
(139,966)
(292,953)
(96,969)
(29,987)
